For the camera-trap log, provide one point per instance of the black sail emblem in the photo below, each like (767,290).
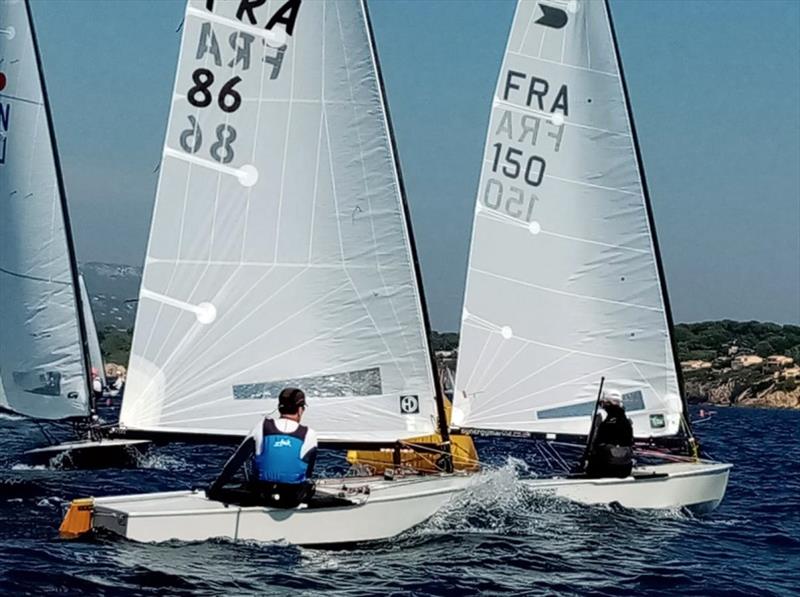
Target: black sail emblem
(552,17)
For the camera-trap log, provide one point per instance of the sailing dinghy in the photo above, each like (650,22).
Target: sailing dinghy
(44,358)
(565,282)
(280,254)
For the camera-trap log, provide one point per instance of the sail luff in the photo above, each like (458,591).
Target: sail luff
(650,221)
(444,429)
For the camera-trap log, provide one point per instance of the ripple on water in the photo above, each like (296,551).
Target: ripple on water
(497,538)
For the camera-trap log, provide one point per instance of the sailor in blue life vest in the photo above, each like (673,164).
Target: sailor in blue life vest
(282,453)
(610,451)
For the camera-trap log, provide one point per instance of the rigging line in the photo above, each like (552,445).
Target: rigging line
(315,191)
(541,40)
(227,378)
(489,337)
(585,24)
(563,45)
(241,320)
(341,248)
(479,324)
(34,278)
(190,389)
(527,27)
(281,264)
(532,374)
(322,117)
(488,366)
(564,292)
(525,110)
(496,216)
(189,170)
(647,381)
(505,365)
(169,411)
(285,159)
(199,279)
(485,325)
(464,454)
(505,404)
(367,190)
(256,137)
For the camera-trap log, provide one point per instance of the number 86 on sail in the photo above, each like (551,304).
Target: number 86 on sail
(201,96)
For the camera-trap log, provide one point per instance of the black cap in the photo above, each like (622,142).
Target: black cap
(290,400)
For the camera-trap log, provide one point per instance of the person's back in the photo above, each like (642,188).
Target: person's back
(282,453)
(282,456)
(611,449)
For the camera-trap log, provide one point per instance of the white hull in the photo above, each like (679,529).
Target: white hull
(698,487)
(89,453)
(390,508)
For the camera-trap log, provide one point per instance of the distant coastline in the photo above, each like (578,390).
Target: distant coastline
(731,363)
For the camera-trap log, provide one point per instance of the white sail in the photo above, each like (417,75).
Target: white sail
(279,251)
(95,352)
(563,285)
(41,356)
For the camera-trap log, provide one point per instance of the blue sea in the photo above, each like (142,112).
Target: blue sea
(499,539)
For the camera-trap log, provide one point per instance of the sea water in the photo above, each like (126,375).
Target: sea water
(499,538)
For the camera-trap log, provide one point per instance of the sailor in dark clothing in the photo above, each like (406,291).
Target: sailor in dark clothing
(282,453)
(611,445)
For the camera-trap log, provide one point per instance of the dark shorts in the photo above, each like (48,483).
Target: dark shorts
(610,461)
(283,495)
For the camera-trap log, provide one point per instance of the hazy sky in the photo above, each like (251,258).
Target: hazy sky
(716,96)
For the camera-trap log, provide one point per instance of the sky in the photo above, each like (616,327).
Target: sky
(715,89)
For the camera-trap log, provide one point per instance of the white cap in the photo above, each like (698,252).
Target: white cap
(612,396)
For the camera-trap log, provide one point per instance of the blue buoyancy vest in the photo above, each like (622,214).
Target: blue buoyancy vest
(280,461)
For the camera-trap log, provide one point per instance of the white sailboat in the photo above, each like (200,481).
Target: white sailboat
(95,352)
(280,254)
(44,363)
(565,283)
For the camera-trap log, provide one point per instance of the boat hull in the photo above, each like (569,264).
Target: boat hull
(101,453)
(390,508)
(698,487)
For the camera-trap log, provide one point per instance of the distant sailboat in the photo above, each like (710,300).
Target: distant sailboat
(565,283)
(45,370)
(281,254)
(43,358)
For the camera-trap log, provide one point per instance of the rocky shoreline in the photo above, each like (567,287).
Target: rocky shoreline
(742,390)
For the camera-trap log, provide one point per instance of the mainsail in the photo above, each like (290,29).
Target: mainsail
(564,282)
(42,365)
(280,252)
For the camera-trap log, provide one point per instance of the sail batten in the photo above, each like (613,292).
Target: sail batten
(279,251)
(43,342)
(564,282)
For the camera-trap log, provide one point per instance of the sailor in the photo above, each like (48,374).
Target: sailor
(611,445)
(97,384)
(282,453)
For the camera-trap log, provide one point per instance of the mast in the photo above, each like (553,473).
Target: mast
(444,429)
(73,263)
(651,223)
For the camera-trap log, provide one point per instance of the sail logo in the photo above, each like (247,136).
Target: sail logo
(552,17)
(409,404)
(281,443)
